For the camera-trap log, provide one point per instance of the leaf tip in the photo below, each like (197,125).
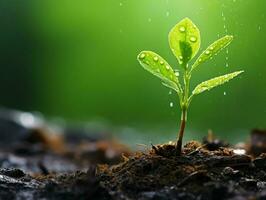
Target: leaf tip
(241,71)
(141,55)
(229,38)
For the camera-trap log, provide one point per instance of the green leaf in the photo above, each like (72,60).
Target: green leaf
(184,40)
(171,85)
(209,84)
(213,49)
(156,65)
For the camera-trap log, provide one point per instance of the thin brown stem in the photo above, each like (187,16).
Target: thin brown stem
(181,132)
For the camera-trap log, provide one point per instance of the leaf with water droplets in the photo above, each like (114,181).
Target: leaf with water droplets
(209,84)
(184,40)
(156,65)
(213,49)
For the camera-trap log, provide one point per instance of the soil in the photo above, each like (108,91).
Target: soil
(37,163)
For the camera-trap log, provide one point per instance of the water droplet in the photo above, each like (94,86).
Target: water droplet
(224,93)
(167,67)
(180,57)
(200,60)
(155,59)
(171,104)
(120,4)
(211,48)
(193,39)
(207,52)
(161,62)
(142,56)
(180,62)
(177,74)
(227,65)
(170,92)
(182,29)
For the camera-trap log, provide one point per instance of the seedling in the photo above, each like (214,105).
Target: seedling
(184,41)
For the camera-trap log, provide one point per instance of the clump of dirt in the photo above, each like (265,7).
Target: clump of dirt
(199,173)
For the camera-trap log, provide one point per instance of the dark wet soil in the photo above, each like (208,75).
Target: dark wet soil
(200,173)
(38,163)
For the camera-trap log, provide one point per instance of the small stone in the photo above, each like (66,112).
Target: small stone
(11,172)
(261,185)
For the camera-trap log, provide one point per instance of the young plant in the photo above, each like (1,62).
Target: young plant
(184,41)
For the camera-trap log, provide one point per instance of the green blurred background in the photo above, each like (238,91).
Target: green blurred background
(77,60)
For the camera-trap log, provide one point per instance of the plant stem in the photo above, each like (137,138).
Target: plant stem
(181,132)
(184,106)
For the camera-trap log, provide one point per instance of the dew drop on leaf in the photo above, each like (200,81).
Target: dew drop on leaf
(155,59)
(167,67)
(193,39)
(142,56)
(177,74)
(171,104)
(182,29)
(207,52)
(161,62)
(224,93)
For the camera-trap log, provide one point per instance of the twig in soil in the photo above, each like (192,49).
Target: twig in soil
(43,168)
(154,148)
(196,151)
